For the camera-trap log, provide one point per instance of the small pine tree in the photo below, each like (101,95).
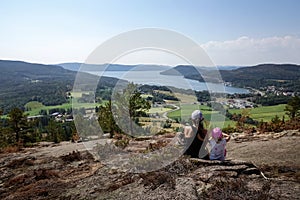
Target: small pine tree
(18,122)
(293,107)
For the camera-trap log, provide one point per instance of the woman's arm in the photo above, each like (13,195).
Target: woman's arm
(202,136)
(199,137)
(187,131)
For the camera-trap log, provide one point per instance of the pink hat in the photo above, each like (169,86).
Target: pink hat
(216,133)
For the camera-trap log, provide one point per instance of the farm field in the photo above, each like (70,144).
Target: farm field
(213,117)
(35,107)
(184,98)
(158,110)
(265,113)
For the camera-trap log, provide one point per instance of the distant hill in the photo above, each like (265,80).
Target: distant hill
(242,76)
(22,82)
(285,76)
(23,70)
(191,72)
(264,71)
(70,66)
(228,67)
(92,67)
(111,67)
(75,66)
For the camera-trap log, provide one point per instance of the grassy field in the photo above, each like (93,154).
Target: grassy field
(35,107)
(213,117)
(184,98)
(158,110)
(265,113)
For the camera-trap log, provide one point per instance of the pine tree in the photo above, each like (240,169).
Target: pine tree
(17,121)
(127,106)
(293,107)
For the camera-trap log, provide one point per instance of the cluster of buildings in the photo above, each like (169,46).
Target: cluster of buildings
(238,103)
(278,91)
(58,117)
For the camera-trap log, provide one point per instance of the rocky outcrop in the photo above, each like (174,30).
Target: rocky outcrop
(244,137)
(78,176)
(35,174)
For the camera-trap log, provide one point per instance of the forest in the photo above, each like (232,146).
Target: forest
(23,82)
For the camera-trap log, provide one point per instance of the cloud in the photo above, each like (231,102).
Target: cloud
(250,51)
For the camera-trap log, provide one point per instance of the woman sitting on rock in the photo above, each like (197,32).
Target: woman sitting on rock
(194,136)
(218,143)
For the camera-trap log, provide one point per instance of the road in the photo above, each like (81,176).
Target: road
(164,115)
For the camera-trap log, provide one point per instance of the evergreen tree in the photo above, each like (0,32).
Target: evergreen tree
(55,130)
(17,121)
(293,107)
(106,119)
(128,106)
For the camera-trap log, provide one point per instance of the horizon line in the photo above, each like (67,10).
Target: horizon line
(154,64)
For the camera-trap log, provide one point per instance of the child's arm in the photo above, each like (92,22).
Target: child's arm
(226,136)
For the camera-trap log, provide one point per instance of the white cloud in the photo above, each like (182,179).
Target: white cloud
(251,51)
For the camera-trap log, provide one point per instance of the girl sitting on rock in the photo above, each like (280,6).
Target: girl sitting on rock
(218,143)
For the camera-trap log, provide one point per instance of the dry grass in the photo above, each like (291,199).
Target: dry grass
(185,98)
(10,149)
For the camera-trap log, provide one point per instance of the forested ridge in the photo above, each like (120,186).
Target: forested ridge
(287,75)
(23,82)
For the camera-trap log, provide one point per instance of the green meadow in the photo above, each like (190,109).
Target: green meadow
(35,107)
(265,113)
(213,117)
(158,110)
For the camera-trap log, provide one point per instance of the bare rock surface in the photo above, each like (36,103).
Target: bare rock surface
(261,167)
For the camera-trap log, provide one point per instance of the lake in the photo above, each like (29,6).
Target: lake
(152,77)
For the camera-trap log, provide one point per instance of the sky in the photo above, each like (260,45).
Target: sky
(231,32)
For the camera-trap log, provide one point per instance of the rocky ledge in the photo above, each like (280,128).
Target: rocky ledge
(77,175)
